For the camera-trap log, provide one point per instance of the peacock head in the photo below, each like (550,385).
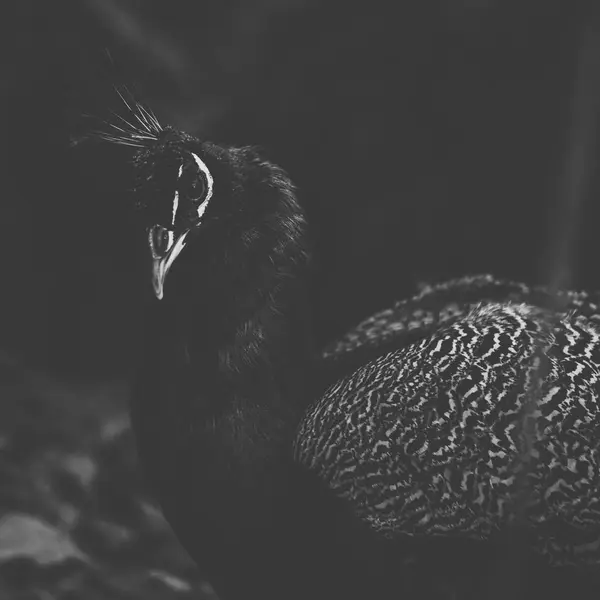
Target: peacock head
(175,187)
(222,205)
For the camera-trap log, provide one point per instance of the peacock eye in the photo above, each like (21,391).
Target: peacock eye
(160,240)
(192,186)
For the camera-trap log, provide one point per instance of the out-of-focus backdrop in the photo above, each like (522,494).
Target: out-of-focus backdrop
(428,139)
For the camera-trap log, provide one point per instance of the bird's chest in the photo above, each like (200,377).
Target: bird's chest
(165,426)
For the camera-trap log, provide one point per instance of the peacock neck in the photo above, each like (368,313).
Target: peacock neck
(233,385)
(230,374)
(234,391)
(246,350)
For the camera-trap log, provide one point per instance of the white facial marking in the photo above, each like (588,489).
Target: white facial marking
(175,206)
(209,184)
(176,198)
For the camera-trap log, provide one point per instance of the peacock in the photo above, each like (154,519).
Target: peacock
(442,425)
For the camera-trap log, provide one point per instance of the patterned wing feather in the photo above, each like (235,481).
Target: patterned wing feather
(490,421)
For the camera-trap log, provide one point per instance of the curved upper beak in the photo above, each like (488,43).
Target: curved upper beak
(161,266)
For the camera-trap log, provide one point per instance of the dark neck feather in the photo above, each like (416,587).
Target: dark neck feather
(220,396)
(240,328)
(223,383)
(227,350)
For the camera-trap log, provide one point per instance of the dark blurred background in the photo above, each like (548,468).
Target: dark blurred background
(428,138)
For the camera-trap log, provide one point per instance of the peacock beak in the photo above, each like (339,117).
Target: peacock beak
(161,265)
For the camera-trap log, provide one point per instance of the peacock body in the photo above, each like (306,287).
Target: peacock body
(460,414)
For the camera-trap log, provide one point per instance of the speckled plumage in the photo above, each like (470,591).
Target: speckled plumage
(440,303)
(490,419)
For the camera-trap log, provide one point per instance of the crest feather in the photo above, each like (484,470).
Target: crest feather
(139,129)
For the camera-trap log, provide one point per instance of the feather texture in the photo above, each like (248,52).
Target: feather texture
(491,416)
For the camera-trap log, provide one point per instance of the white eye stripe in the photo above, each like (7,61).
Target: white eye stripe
(209,184)
(209,188)
(176,197)
(175,206)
